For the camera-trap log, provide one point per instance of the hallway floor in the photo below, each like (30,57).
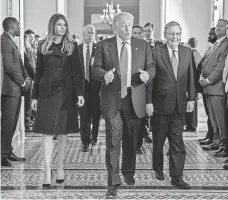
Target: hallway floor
(86,175)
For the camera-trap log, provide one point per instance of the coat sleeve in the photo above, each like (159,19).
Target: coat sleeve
(149,63)
(38,74)
(77,72)
(216,74)
(191,79)
(9,65)
(97,71)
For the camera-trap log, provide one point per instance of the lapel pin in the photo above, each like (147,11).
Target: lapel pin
(136,48)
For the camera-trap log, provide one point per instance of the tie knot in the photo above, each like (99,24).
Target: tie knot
(174,51)
(124,43)
(87,47)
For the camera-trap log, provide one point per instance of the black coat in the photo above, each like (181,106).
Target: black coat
(58,82)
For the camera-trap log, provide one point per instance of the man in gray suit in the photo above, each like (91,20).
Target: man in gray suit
(124,66)
(15,81)
(214,89)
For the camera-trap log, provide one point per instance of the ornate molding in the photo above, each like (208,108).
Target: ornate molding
(10,7)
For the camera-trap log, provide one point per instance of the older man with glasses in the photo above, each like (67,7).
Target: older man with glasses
(173,80)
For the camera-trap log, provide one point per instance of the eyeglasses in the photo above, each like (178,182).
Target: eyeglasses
(173,34)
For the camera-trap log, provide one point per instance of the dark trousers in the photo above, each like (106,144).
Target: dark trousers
(191,118)
(10,107)
(210,132)
(170,126)
(125,127)
(90,114)
(217,115)
(142,132)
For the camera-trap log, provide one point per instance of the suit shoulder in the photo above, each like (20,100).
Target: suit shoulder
(185,49)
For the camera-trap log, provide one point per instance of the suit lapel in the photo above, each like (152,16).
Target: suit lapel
(182,60)
(113,52)
(134,50)
(166,59)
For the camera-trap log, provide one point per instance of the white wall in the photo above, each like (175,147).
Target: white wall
(149,11)
(37,14)
(195,18)
(75,15)
(225,9)
(4,11)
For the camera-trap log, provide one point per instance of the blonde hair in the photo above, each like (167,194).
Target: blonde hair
(68,45)
(118,17)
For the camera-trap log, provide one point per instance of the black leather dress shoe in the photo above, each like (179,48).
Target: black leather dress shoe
(179,182)
(5,162)
(221,149)
(226,161)
(160,176)
(202,139)
(112,191)
(221,154)
(148,139)
(139,151)
(210,147)
(85,148)
(13,157)
(206,142)
(225,167)
(93,142)
(129,180)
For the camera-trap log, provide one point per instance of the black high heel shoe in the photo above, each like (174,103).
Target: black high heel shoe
(45,185)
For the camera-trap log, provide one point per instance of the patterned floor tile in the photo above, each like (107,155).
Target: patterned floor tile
(122,194)
(95,158)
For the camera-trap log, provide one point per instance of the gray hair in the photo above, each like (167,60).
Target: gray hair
(87,26)
(119,16)
(223,20)
(170,24)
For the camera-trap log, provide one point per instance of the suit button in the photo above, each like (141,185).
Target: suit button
(60,78)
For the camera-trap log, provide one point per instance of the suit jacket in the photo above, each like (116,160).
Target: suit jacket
(196,57)
(213,70)
(14,74)
(106,58)
(169,92)
(94,86)
(30,63)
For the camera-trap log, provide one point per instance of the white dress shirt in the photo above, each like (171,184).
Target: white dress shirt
(128,46)
(84,53)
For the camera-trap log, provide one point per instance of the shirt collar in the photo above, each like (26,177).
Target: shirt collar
(85,45)
(9,35)
(120,41)
(221,39)
(171,50)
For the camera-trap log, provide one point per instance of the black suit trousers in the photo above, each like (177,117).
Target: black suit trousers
(142,131)
(210,132)
(90,114)
(10,107)
(170,126)
(124,126)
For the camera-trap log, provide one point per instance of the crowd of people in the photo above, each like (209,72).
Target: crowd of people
(137,83)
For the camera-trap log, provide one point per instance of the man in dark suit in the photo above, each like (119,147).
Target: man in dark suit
(191,117)
(123,64)
(148,32)
(15,81)
(212,37)
(173,94)
(90,112)
(211,79)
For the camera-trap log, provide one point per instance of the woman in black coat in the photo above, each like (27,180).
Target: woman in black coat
(58,89)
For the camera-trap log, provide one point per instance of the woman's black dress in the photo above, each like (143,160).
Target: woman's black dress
(58,83)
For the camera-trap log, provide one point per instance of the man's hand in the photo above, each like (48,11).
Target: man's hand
(109,76)
(144,76)
(34,104)
(81,101)
(226,86)
(204,82)
(190,106)
(149,109)
(27,84)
